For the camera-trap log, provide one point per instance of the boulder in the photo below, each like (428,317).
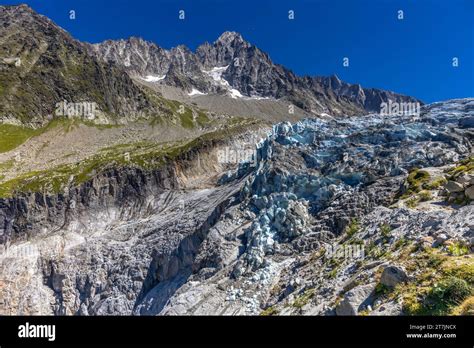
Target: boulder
(356,300)
(453,187)
(440,239)
(464,179)
(426,241)
(470,192)
(393,275)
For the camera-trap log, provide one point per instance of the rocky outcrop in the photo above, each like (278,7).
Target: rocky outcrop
(461,188)
(28,214)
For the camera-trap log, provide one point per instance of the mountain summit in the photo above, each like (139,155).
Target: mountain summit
(233,66)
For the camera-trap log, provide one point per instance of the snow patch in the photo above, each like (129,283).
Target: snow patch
(256,97)
(216,75)
(151,78)
(195,92)
(235,93)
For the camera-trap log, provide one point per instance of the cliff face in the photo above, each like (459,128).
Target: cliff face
(27,214)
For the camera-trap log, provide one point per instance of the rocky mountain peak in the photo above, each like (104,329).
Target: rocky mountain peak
(335,81)
(18,8)
(228,38)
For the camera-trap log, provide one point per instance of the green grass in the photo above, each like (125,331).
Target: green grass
(464,166)
(56,179)
(202,119)
(269,311)
(303,299)
(173,110)
(425,196)
(186,119)
(412,202)
(444,295)
(458,249)
(13,136)
(385,230)
(402,242)
(381,289)
(441,284)
(435,184)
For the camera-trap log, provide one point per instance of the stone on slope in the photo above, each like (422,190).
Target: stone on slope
(393,275)
(454,187)
(356,300)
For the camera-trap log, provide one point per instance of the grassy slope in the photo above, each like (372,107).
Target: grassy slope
(144,155)
(13,136)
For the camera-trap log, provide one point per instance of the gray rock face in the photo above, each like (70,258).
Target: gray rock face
(135,54)
(388,309)
(393,275)
(440,239)
(465,179)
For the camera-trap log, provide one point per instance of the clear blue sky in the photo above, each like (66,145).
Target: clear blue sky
(411,56)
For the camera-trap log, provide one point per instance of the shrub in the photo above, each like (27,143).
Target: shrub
(352,228)
(416,179)
(381,289)
(400,243)
(464,166)
(333,273)
(425,196)
(412,202)
(465,308)
(385,230)
(435,184)
(447,293)
(269,311)
(458,249)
